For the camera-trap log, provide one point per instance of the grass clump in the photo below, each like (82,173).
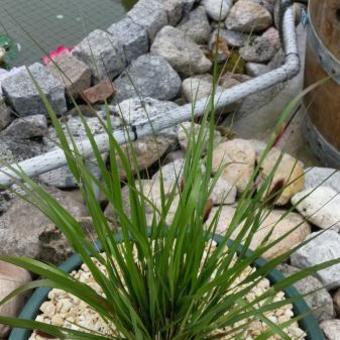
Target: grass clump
(164,277)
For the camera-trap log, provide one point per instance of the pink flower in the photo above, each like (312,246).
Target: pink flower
(60,50)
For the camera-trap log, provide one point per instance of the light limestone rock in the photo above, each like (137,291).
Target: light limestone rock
(217,9)
(331,329)
(256,69)
(188,129)
(223,193)
(258,50)
(196,26)
(317,176)
(197,87)
(288,177)
(146,151)
(11,278)
(171,172)
(248,16)
(237,158)
(321,247)
(319,206)
(232,38)
(276,223)
(316,296)
(180,51)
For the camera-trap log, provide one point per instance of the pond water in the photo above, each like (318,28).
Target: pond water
(52,23)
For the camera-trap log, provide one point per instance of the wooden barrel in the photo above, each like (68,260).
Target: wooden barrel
(322,61)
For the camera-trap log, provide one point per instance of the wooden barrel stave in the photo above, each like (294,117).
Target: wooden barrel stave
(323,103)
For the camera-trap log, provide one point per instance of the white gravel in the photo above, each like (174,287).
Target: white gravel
(63,309)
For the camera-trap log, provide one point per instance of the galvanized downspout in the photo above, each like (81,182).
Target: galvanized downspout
(56,159)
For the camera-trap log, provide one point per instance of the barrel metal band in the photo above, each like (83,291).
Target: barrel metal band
(327,60)
(323,150)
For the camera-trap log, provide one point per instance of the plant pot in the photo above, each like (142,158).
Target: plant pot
(308,323)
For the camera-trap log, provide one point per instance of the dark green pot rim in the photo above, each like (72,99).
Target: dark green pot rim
(308,323)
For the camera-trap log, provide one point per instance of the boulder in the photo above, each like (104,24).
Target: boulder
(316,296)
(174,156)
(232,38)
(21,149)
(258,50)
(54,247)
(256,69)
(143,186)
(237,159)
(196,25)
(230,79)
(273,36)
(176,9)
(171,172)
(135,111)
(321,247)
(180,51)
(223,193)
(11,278)
(149,14)
(197,87)
(226,214)
(26,127)
(74,126)
(276,223)
(23,95)
(102,53)
(6,157)
(148,76)
(153,191)
(133,37)
(217,9)
(145,152)
(73,73)
(327,177)
(5,114)
(188,130)
(288,177)
(268,4)
(248,16)
(22,226)
(148,150)
(62,177)
(319,206)
(331,329)
(100,93)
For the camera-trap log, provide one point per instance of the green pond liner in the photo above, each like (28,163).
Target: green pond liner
(308,322)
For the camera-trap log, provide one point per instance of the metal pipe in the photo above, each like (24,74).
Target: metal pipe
(56,159)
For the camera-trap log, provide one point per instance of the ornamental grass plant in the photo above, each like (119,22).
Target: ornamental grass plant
(165,278)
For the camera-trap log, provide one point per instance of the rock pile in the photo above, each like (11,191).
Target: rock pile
(156,58)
